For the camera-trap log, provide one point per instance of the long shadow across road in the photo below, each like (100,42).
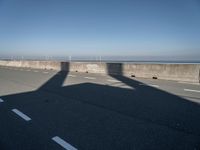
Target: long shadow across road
(91,116)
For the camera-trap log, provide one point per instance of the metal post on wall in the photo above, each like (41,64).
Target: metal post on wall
(70,58)
(100,59)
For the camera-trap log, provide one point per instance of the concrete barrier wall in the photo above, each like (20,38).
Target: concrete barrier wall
(178,72)
(88,67)
(33,64)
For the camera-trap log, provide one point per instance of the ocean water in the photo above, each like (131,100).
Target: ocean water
(110,59)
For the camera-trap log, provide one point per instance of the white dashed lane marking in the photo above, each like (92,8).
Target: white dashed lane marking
(153,85)
(72,75)
(110,80)
(1,101)
(188,83)
(35,71)
(22,115)
(63,143)
(90,78)
(45,72)
(190,90)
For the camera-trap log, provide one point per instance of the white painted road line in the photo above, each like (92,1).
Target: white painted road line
(196,100)
(35,71)
(188,83)
(70,75)
(110,80)
(117,84)
(63,143)
(157,86)
(45,72)
(22,115)
(91,78)
(190,90)
(1,101)
(153,85)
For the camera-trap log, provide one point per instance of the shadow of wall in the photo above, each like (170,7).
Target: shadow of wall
(114,68)
(64,66)
(157,109)
(58,79)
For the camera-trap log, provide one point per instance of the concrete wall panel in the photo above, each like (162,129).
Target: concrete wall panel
(178,72)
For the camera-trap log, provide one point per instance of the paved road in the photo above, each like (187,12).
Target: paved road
(44,109)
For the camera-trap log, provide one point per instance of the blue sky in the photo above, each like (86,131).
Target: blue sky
(100,27)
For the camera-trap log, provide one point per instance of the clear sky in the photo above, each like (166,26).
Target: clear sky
(100,27)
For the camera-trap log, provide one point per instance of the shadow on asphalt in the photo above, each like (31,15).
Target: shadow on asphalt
(101,117)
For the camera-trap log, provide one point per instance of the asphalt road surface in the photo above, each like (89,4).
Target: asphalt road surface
(49,110)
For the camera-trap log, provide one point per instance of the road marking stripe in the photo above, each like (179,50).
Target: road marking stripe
(118,84)
(197,100)
(35,71)
(127,87)
(110,80)
(45,72)
(153,85)
(63,143)
(91,78)
(22,115)
(72,75)
(1,101)
(190,90)
(188,82)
